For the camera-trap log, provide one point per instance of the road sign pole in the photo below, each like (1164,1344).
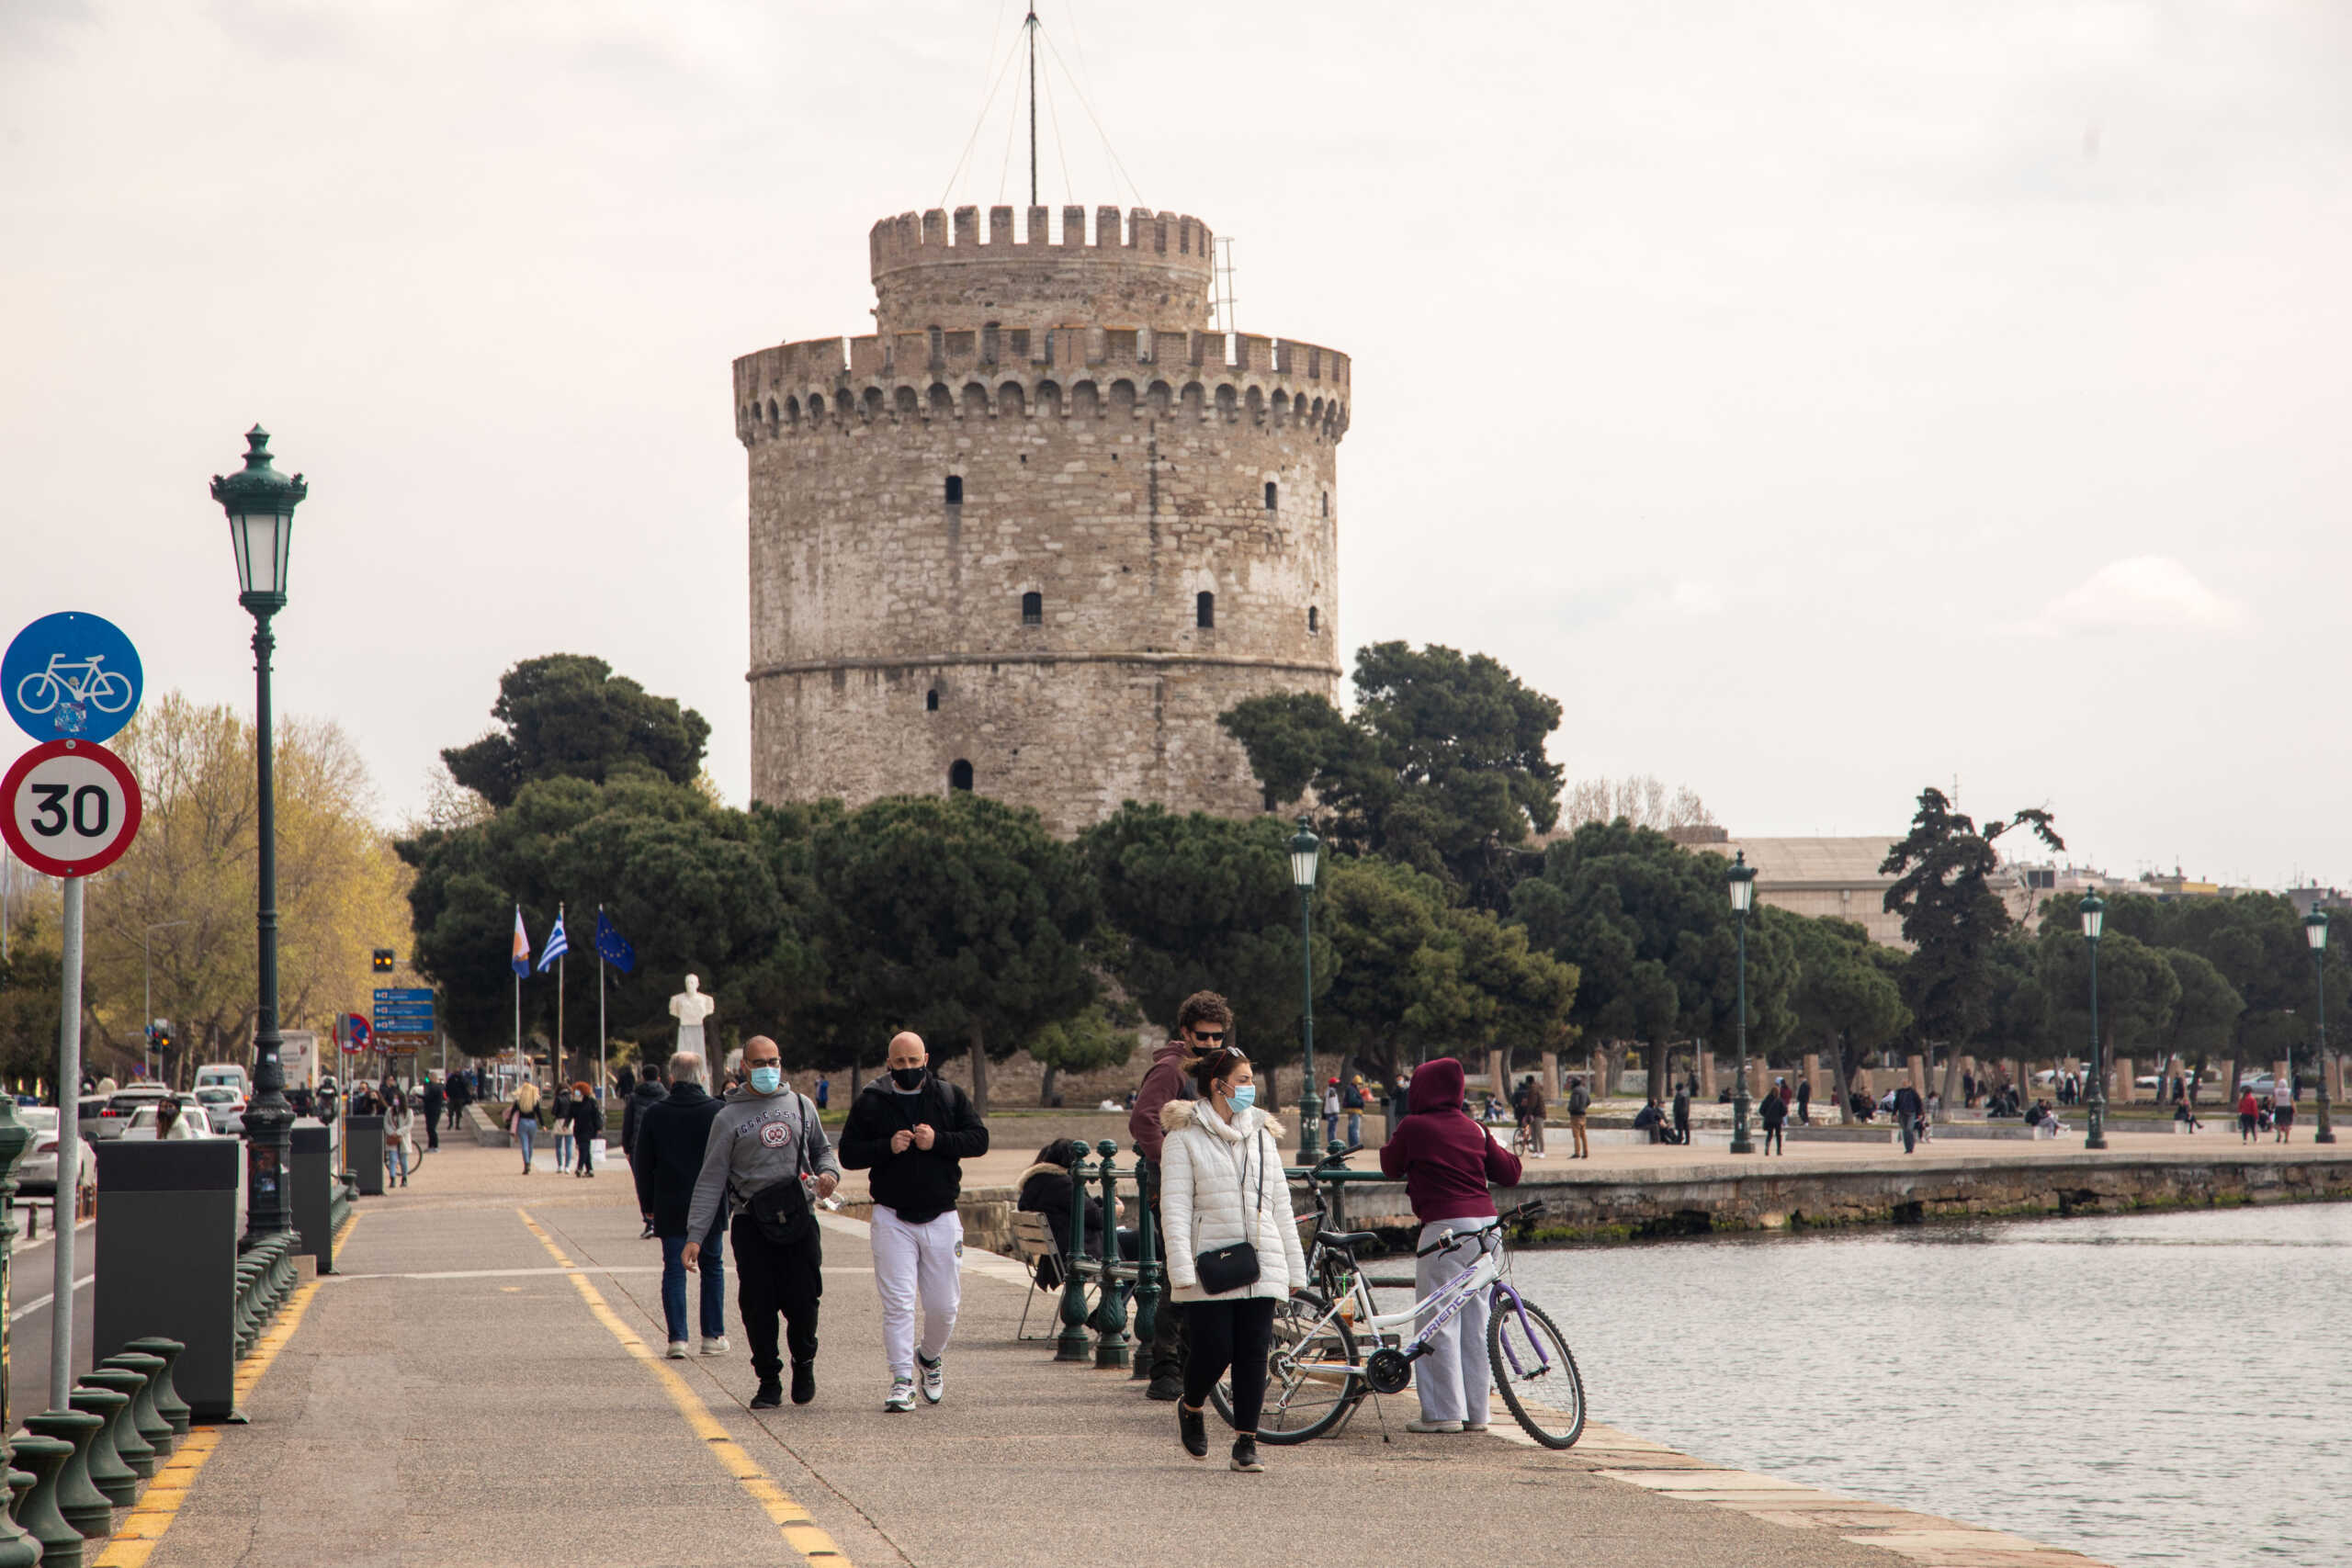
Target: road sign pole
(69,1088)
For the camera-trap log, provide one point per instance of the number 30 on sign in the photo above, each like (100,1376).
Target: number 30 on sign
(72,808)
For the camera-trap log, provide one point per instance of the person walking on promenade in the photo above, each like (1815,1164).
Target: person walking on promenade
(2282,1107)
(764,1139)
(1447,1162)
(1538,1109)
(587,1123)
(1351,1101)
(1232,1250)
(1804,1101)
(458,1095)
(1203,1022)
(562,1109)
(672,1137)
(1579,1105)
(2249,1113)
(914,1130)
(648,1094)
(1773,1111)
(398,1120)
(1682,1112)
(1330,1113)
(824,1091)
(1906,1115)
(428,1099)
(522,1117)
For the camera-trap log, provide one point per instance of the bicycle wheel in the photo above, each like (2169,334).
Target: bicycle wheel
(37,692)
(1312,1375)
(1535,1372)
(111,692)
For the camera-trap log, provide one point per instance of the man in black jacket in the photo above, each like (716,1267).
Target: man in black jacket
(648,1093)
(1907,1110)
(913,1131)
(671,1134)
(429,1098)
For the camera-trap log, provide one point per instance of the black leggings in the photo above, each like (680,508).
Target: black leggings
(1237,1334)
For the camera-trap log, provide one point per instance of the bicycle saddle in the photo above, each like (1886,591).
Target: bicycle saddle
(1344,1238)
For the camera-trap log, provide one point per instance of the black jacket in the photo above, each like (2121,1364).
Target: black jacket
(670,1138)
(920,1184)
(587,1118)
(430,1097)
(1906,1102)
(641,1099)
(1772,1109)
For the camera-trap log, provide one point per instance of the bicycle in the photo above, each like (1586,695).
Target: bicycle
(105,690)
(1316,1374)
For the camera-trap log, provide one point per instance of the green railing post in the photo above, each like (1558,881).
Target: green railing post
(1146,1259)
(1111,1345)
(1070,1343)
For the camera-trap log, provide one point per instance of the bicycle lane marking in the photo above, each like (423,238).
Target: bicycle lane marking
(142,1530)
(800,1531)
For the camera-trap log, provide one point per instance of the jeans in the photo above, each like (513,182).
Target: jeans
(562,1151)
(524,1128)
(1236,1334)
(1330,1127)
(1910,1134)
(587,1155)
(1355,1128)
(395,1162)
(712,1266)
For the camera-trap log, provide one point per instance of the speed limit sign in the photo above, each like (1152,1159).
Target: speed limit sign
(72,808)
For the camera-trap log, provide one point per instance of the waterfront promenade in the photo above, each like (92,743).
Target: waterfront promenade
(478,1385)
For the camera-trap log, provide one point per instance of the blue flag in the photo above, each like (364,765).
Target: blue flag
(613,947)
(557,947)
(522,945)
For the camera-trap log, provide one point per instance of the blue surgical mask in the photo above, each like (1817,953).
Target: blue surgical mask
(1244,1096)
(766,1080)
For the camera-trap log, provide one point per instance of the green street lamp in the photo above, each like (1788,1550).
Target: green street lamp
(1305,856)
(1743,898)
(2315,932)
(2094,911)
(260,502)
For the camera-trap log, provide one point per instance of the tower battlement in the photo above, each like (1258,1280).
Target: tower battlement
(931,269)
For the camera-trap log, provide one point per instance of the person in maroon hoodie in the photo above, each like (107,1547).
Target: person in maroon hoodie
(1203,1022)
(1447,1161)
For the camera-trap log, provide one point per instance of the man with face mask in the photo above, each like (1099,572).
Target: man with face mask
(765,1138)
(913,1131)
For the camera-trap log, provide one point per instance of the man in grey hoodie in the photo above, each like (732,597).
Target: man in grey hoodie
(767,1134)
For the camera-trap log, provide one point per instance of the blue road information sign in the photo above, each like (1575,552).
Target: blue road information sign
(405,994)
(71,676)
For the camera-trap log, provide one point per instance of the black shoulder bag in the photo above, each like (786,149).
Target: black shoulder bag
(1233,1264)
(782,1211)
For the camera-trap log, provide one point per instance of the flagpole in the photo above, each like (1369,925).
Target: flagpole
(555,1062)
(599,1004)
(518,1000)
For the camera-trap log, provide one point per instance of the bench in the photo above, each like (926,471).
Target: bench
(1032,1243)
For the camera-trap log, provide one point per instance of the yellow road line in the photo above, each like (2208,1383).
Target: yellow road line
(142,1530)
(800,1532)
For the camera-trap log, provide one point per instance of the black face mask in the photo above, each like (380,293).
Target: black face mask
(908,1078)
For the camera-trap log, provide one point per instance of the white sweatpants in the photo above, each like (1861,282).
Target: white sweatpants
(911,1260)
(1452,1378)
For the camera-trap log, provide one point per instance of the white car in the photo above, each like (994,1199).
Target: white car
(142,1122)
(37,1172)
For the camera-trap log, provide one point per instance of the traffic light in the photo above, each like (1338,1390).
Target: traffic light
(163,1032)
(383,965)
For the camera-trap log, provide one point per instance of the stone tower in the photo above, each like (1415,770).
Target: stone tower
(1038,531)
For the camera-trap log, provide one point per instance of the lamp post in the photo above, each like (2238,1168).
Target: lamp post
(260,502)
(2315,932)
(1743,898)
(1305,856)
(2094,910)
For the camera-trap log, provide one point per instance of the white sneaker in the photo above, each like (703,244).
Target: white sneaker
(934,1379)
(678,1350)
(1474,1426)
(718,1346)
(1418,1425)
(902,1395)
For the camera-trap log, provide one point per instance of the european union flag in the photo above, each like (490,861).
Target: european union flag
(612,946)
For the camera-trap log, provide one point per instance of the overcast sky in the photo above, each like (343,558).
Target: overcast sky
(1820,401)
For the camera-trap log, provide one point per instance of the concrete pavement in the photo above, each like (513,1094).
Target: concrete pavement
(478,1384)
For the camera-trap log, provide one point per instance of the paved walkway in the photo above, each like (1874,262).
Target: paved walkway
(478,1384)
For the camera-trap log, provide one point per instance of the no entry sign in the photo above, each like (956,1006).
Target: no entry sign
(72,808)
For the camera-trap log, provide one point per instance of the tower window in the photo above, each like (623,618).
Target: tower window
(1032,609)
(931,701)
(955,489)
(959,775)
(1204,609)
(1270,495)
(1313,620)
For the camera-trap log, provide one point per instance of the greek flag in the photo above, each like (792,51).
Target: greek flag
(557,947)
(522,945)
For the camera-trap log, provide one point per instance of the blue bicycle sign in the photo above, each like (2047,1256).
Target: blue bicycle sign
(71,674)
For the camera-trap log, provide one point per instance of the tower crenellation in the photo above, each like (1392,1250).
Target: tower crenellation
(1038,531)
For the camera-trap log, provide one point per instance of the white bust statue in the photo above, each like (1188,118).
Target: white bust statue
(690,1008)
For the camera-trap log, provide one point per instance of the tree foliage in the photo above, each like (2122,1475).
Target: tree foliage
(1847,996)
(1442,766)
(2255,943)
(2137,990)
(568,715)
(1087,1042)
(1951,915)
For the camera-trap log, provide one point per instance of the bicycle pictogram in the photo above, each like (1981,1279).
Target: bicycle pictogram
(78,679)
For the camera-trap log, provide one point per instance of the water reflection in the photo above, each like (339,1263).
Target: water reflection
(2164,1388)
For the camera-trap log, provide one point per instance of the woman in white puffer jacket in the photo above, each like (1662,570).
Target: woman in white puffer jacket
(1221,1182)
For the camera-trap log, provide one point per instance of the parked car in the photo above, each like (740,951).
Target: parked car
(37,1172)
(91,1109)
(123,1103)
(224,1074)
(226,1107)
(2261,1083)
(143,1120)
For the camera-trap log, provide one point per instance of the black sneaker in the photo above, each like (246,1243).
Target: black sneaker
(1167,1386)
(1245,1454)
(770,1395)
(1193,1431)
(804,1382)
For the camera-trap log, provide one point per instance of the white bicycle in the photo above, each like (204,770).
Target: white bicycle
(108,691)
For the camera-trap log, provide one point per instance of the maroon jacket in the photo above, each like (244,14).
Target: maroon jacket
(1446,1159)
(1165,1081)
